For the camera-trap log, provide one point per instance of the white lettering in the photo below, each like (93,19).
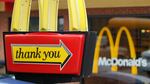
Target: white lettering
(103,61)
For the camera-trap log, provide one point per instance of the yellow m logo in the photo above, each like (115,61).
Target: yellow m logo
(114,47)
(48,11)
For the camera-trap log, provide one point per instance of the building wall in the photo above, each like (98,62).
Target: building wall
(110,3)
(95,4)
(3,28)
(102,3)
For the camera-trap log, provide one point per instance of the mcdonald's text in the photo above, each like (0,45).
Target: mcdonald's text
(140,62)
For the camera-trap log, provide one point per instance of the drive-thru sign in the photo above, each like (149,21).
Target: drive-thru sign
(49,53)
(46,53)
(52,53)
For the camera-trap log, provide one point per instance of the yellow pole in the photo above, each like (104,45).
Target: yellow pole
(98,47)
(77,15)
(20,16)
(131,47)
(40,3)
(48,10)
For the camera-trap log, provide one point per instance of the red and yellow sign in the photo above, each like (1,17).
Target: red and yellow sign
(41,53)
(51,53)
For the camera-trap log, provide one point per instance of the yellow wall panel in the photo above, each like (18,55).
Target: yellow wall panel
(109,3)
(116,3)
(102,3)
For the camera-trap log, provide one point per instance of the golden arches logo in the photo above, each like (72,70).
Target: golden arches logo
(48,15)
(114,47)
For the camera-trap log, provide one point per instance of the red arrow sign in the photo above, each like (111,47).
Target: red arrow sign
(56,51)
(41,53)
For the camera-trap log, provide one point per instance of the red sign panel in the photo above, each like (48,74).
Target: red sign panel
(50,53)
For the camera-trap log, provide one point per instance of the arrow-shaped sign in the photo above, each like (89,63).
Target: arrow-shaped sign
(41,53)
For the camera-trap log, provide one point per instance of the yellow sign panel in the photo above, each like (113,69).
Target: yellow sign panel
(114,48)
(41,53)
(21,15)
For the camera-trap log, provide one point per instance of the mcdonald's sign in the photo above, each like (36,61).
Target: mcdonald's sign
(114,47)
(48,15)
(50,52)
